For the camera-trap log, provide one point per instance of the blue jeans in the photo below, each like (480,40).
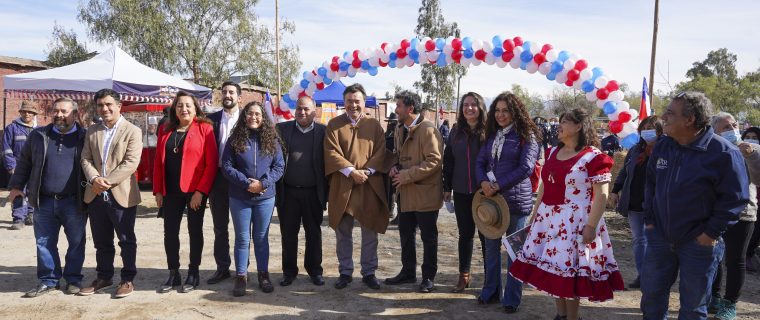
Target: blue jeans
(695,263)
(250,215)
(20,208)
(51,216)
(638,241)
(513,287)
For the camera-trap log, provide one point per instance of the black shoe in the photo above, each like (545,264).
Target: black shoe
(317,280)
(193,281)
(218,276)
(287,280)
(343,281)
(241,282)
(174,280)
(426,286)
(39,290)
(264,283)
(29,220)
(510,309)
(401,278)
(636,284)
(371,281)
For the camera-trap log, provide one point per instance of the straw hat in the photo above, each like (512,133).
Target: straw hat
(29,106)
(491,214)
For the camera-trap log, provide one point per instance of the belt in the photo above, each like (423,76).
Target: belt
(58,196)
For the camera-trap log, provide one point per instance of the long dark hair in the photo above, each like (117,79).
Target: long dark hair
(587,136)
(174,121)
(266,133)
(480,127)
(523,125)
(653,121)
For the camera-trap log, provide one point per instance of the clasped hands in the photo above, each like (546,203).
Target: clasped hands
(489,188)
(359,176)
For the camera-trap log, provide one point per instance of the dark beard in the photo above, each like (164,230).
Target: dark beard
(230,107)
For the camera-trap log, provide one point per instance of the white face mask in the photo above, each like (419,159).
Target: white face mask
(753,141)
(733,136)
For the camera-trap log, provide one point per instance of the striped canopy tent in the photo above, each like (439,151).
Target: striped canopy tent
(113,69)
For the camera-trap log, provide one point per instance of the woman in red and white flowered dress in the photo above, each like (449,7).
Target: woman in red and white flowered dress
(568,253)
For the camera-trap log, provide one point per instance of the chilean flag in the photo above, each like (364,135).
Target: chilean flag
(282,112)
(645,108)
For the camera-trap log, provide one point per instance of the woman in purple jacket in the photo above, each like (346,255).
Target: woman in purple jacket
(509,153)
(462,148)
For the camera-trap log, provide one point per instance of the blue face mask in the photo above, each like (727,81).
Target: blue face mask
(649,135)
(753,141)
(732,136)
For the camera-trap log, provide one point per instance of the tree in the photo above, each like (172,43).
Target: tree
(209,40)
(565,99)
(437,83)
(719,63)
(64,48)
(533,102)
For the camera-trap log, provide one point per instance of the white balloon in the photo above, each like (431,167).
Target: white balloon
(310,90)
(532,67)
(551,55)
(518,51)
(514,63)
(490,60)
(409,62)
(600,103)
(331,74)
(578,85)
(600,82)
(615,96)
(433,55)
(591,96)
(501,63)
(476,62)
(477,45)
(623,105)
(465,62)
(628,128)
(348,56)
(326,65)
(544,68)
(342,74)
(373,62)
(448,49)
(487,46)
(634,113)
(293,96)
(586,74)
(575,56)
(535,47)
(561,77)
(362,55)
(569,64)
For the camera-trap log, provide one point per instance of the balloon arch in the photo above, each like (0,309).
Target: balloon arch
(556,65)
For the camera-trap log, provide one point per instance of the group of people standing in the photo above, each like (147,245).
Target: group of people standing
(681,188)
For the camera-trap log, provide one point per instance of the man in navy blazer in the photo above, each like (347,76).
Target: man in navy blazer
(219,200)
(302,191)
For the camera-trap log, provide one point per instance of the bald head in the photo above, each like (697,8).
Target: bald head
(305,111)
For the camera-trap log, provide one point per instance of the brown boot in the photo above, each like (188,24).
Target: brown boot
(264,282)
(241,282)
(464,282)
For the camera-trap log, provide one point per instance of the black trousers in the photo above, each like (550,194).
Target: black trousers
(174,207)
(736,239)
(107,217)
(219,199)
(466,227)
(754,241)
(407,230)
(301,207)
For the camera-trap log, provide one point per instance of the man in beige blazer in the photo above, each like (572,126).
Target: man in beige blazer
(110,157)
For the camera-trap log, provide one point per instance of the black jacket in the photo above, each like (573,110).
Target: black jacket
(286,130)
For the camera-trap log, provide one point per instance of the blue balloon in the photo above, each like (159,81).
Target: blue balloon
(350,75)
(597,72)
(322,71)
(563,56)
(630,140)
(524,65)
(467,43)
(526,56)
(393,56)
(414,42)
(287,98)
(497,42)
(551,75)
(414,54)
(610,107)
(526,45)
(497,52)
(556,66)
(440,43)
(441,60)
(365,65)
(392,63)
(306,74)
(343,66)
(588,86)
(373,71)
(468,53)
(327,81)
(304,83)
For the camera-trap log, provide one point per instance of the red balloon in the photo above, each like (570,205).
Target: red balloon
(507,56)
(612,85)
(334,66)
(381,63)
(602,93)
(302,94)
(357,63)
(320,85)
(546,48)
(624,117)
(569,83)
(456,44)
(518,41)
(404,43)
(616,126)
(509,45)
(356,54)
(382,46)
(456,55)
(480,55)
(335,59)
(581,64)
(430,45)
(573,74)
(401,53)
(539,58)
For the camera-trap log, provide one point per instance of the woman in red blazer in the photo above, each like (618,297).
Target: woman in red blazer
(183,173)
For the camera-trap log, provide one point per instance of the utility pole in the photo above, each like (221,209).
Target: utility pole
(654,51)
(277,47)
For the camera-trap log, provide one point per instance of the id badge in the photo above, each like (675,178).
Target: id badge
(491,176)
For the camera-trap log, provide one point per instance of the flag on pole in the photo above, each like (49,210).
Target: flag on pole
(645,108)
(269,108)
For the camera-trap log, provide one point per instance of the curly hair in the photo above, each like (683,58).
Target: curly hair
(587,136)
(524,126)
(480,127)
(173,122)
(265,134)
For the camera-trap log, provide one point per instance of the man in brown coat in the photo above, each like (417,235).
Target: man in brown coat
(354,162)
(417,176)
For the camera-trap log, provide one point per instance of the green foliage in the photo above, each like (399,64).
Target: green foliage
(437,83)
(533,102)
(565,99)
(209,40)
(64,48)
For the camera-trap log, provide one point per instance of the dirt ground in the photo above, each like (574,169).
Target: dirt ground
(302,299)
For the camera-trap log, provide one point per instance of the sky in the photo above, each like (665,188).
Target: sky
(613,35)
